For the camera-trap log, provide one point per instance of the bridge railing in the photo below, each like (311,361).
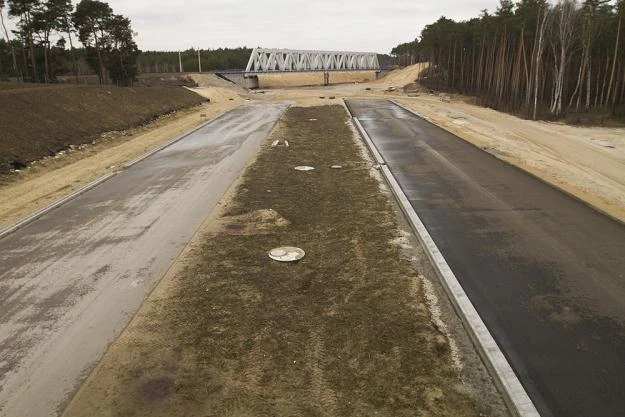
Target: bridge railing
(265,60)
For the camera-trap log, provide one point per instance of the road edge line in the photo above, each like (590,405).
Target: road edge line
(543,180)
(176,139)
(37,214)
(513,392)
(45,210)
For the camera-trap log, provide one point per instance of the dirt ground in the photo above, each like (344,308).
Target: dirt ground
(51,179)
(401,77)
(345,331)
(313,78)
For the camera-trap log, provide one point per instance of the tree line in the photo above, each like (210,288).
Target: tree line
(38,51)
(209,60)
(530,57)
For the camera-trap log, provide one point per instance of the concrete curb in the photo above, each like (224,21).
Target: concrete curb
(41,212)
(544,181)
(514,394)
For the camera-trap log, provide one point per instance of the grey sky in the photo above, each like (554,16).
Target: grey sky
(355,25)
(358,25)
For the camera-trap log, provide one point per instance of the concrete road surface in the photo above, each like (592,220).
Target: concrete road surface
(70,281)
(545,272)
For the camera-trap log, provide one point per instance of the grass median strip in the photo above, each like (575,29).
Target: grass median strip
(344,331)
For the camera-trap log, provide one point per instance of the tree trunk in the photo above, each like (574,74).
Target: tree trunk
(618,35)
(46,65)
(605,81)
(46,56)
(541,35)
(622,96)
(453,70)
(71,49)
(31,45)
(588,84)
(531,83)
(102,74)
(6,33)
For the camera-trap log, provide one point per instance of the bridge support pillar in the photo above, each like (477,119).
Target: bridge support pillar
(245,81)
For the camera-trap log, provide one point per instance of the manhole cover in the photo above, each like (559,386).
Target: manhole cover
(304,168)
(286,254)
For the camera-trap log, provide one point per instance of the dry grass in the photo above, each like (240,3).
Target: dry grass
(345,331)
(38,121)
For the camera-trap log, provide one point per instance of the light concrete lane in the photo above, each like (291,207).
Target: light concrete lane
(71,280)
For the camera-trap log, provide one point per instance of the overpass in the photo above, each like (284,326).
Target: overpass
(266,61)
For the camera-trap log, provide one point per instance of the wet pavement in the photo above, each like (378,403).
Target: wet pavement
(545,271)
(71,280)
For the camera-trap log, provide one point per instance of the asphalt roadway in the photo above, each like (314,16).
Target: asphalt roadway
(545,272)
(71,280)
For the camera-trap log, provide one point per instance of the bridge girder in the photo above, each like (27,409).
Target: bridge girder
(284,60)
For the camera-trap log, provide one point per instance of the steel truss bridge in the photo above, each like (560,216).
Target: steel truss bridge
(287,60)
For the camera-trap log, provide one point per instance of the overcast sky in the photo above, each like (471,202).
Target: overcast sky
(351,25)
(345,25)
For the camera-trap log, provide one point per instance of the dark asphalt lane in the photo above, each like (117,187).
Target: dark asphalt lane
(545,272)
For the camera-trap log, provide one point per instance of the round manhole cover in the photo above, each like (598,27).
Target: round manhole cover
(286,254)
(304,168)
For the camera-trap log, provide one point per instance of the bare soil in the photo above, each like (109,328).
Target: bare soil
(300,79)
(41,121)
(345,331)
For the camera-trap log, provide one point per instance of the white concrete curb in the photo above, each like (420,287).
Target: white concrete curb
(514,394)
(39,213)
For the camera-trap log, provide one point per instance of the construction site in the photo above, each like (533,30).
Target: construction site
(312,236)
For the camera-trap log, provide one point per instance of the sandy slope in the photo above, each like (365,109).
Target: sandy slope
(403,76)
